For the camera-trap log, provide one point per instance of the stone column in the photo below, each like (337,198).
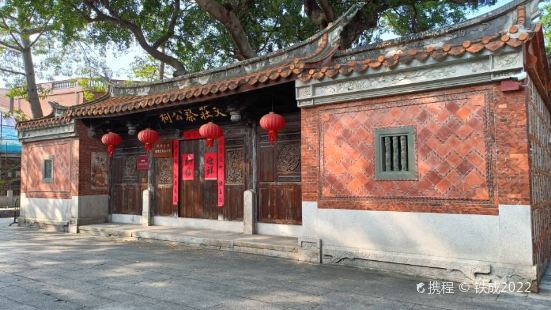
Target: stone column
(146,208)
(149,193)
(249,212)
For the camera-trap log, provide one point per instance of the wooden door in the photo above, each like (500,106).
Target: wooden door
(279,194)
(198,197)
(128,184)
(236,174)
(163,187)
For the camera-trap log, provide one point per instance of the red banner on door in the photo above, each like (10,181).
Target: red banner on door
(188,166)
(142,162)
(211,166)
(221,172)
(175,170)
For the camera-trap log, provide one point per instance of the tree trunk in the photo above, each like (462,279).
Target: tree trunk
(32,90)
(162,66)
(232,24)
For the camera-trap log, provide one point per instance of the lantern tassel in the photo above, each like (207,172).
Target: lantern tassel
(210,142)
(147,147)
(272,136)
(110,150)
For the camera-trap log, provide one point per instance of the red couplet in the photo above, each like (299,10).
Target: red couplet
(175,172)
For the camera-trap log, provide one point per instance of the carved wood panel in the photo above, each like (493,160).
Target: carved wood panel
(234,166)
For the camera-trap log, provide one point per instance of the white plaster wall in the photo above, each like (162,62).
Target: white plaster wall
(47,210)
(278,230)
(504,239)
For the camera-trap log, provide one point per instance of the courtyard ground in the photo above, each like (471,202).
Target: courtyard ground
(42,270)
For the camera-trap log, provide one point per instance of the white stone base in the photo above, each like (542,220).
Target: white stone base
(282,230)
(61,213)
(462,247)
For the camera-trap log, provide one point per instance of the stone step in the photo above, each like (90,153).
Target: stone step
(281,247)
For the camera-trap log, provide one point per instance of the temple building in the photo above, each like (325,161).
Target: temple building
(428,155)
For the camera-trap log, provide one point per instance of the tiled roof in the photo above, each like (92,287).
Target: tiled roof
(512,38)
(313,65)
(121,105)
(49,121)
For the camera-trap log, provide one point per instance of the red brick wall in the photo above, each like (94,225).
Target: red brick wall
(463,136)
(87,146)
(65,168)
(72,159)
(540,173)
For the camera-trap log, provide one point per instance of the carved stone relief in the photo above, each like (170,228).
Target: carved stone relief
(98,170)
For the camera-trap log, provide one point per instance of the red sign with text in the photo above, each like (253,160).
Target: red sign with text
(188,166)
(211,166)
(142,162)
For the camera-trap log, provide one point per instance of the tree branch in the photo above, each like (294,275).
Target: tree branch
(40,31)
(11,71)
(227,17)
(316,14)
(10,46)
(114,18)
(170,29)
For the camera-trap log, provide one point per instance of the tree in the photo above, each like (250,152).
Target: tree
(194,35)
(148,69)
(27,25)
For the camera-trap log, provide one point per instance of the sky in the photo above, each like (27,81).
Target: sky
(119,62)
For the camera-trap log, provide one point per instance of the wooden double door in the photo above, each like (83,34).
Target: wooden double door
(250,162)
(199,193)
(277,169)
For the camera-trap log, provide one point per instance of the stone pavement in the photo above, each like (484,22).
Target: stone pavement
(41,270)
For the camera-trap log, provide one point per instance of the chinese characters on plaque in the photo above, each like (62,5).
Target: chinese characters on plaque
(162,149)
(188,166)
(211,171)
(191,115)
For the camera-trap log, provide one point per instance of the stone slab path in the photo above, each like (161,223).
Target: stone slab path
(41,270)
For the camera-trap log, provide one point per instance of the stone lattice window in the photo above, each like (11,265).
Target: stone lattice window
(395,153)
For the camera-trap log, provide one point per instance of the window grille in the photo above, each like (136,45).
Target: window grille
(395,153)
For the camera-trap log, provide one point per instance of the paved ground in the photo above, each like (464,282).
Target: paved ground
(64,271)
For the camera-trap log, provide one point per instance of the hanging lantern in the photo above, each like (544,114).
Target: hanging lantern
(272,122)
(210,131)
(148,137)
(111,140)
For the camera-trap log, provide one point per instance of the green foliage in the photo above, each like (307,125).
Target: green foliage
(201,42)
(546,23)
(21,92)
(18,115)
(91,87)
(148,69)
(420,16)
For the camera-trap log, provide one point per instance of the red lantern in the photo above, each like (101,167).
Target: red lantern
(210,131)
(272,122)
(111,140)
(148,137)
